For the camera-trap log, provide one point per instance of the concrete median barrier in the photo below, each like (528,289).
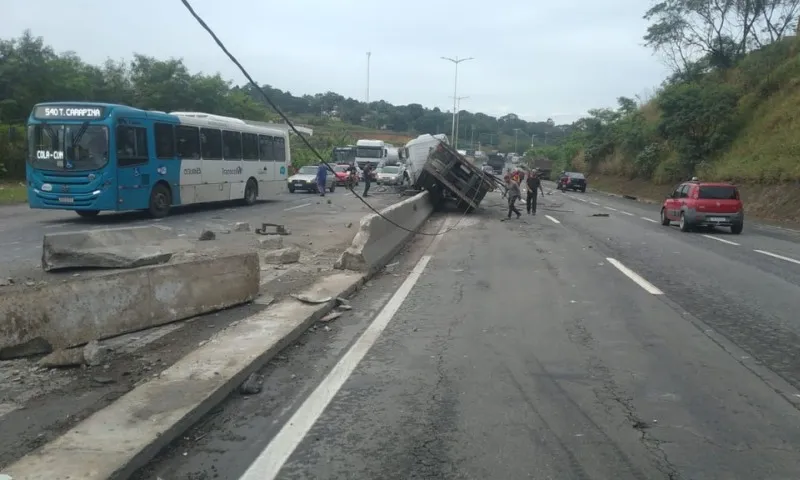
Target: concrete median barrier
(378,240)
(60,315)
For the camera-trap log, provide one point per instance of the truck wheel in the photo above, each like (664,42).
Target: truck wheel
(160,201)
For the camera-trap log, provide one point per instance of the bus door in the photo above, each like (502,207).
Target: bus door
(266,162)
(134,176)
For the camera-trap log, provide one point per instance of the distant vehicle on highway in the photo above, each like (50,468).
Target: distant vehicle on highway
(497,161)
(342,174)
(390,175)
(306,179)
(343,155)
(371,151)
(571,181)
(92,157)
(698,204)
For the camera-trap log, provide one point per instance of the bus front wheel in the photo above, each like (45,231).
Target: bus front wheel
(160,201)
(88,213)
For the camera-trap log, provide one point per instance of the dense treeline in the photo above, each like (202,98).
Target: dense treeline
(32,72)
(727,112)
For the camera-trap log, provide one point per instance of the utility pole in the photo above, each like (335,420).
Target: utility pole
(458,131)
(369,54)
(533,135)
(472,138)
(516,137)
(455,62)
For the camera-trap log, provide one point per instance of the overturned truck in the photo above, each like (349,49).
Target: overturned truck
(450,177)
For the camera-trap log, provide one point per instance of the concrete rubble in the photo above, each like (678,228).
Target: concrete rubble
(282,256)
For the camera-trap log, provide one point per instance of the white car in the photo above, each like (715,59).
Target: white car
(393,175)
(306,179)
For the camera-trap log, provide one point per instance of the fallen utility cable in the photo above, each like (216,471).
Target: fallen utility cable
(303,138)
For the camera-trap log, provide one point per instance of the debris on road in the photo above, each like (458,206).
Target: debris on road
(207,235)
(600,215)
(252,385)
(272,229)
(330,317)
(270,243)
(283,256)
(241,227)
(95,354)
(306,298)
(72,357)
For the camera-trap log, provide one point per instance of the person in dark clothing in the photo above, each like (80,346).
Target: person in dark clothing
(513,196)
(367,178)
(533,182)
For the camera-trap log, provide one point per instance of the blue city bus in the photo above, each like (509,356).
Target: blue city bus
(93,157)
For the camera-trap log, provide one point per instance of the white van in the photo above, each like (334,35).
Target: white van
(417,151)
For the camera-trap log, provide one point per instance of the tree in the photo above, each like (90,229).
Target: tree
(715,33)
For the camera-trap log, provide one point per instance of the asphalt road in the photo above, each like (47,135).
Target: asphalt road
(22,229)
(560,346)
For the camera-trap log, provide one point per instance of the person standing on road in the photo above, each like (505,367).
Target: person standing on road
(532,184)
(367,178)
(322,177)
(513,196)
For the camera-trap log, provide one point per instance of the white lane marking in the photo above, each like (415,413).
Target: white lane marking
(626,213)
(649,219)
(8,244)
(551,219)
(611,208)
(595,204)
(297,206)
(270,461)
(775,255)
(649,287)
(720,240)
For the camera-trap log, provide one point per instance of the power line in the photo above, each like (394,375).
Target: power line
(302,137)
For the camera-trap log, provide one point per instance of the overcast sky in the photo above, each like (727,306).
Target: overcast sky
(536,59)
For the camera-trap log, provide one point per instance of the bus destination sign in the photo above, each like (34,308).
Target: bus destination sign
(62,112)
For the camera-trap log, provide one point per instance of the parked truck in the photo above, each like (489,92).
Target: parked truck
(497,161)
(545,166)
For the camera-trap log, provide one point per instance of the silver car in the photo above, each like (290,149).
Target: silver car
(392,175)
(306,179)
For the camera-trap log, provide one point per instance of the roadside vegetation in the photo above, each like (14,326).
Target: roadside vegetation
(728,111)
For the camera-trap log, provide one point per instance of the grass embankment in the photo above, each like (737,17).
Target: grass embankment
(11,193)
(755,143)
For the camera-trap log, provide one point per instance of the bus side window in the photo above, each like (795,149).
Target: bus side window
(211,143)
(280,149)
(188,142)
(232,144)
(165,140)
(250,146)
(266,147)
(131,146)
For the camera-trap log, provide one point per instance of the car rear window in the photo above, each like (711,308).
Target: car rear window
(717,192)
(579,176)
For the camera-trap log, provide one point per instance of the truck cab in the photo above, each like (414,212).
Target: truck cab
(373,152)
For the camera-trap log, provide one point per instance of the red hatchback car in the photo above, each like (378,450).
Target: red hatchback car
(704,204)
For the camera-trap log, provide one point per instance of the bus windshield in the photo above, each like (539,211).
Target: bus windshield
(369,152)
(343,155)
(71,146)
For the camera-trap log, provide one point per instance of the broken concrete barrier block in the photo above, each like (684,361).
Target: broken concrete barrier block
(127,247)
(207,235)
(241,227)
(272,242)
(282,256)
(72,357)
(82,309)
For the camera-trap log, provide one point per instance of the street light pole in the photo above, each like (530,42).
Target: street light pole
(369,54)
(455,62)
(458,118)
(516,137)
